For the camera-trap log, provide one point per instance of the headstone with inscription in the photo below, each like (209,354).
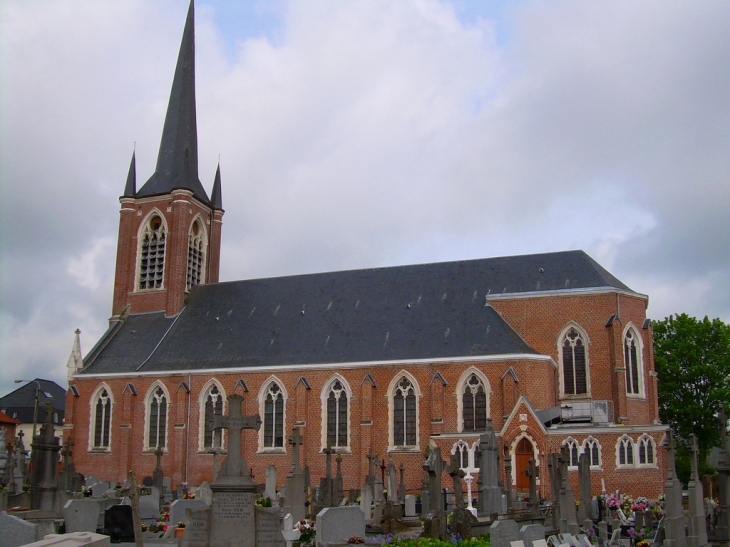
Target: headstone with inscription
(178,508)
(232,516)
(338,524)
(268,529)
(197,527)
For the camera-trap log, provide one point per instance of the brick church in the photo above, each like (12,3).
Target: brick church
(551,348)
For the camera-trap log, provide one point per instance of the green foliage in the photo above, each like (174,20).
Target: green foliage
(480,541)
(692,358)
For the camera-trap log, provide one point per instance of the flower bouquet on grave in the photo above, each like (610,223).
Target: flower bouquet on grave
(306,531)
(612,502)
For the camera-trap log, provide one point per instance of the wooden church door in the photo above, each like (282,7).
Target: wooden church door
(523,453)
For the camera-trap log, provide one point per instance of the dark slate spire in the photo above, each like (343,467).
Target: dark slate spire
(131,187)
(177,162)
(216,199)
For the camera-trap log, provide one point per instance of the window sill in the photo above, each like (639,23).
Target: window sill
(636,396)
(337,450)
(404,450)
(273,451)
(97,450)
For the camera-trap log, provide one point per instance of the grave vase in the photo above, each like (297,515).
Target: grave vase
(179,531)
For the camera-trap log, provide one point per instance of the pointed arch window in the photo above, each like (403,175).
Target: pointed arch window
(157,426)
(404,413)
(572,452)
(152,254)
(213,404)
(632,360)
(462,450)
(625,451)
(593,449)
(574,363)
(196,254)
(273,416)
(102,416)
(337,422)
(474,399)
(646,451)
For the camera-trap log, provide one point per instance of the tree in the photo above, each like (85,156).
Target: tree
(692,358)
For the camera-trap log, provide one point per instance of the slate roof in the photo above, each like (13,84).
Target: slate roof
(425,311)
(20,404)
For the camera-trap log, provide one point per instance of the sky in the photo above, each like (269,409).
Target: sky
(355,134)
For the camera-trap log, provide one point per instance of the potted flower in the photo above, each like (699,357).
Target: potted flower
(613,505)
(180,529)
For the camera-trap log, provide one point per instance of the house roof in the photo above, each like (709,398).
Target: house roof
(20,403)
(5,419)
(416,312)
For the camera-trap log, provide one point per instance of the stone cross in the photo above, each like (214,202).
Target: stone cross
(455,472)
(532,473)
(371,467)
(295,440)
(216,451)
(234,465)
(328,462)
(508,475)
(402,485)
(133,492)
(157,475)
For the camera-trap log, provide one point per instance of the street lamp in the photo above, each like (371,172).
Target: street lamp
(35,408)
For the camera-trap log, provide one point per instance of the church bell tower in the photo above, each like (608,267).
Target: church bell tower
(169,229)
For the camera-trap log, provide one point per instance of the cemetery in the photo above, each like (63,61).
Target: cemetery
(54,505)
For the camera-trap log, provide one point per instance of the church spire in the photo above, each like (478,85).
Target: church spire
(216,199)
(130,189)
(177,162)
(75,363)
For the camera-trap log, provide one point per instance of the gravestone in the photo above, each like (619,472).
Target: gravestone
(327,495)
(19,465)
(584,489)
(157,474)
(81,515)
(410,506)
(697,534)
(232,519)
(9,474)
(119,523)
(501,532)
(508,474)
(425,497)
(532,473)
(674,535)
(490,495)
(434,466)
(366,501)
(338,524)
(270,491)
(402,483)
(532,532)
(197,527)
(44,478)
(268,530)
(296,493)
(553,461)
(167,488)
(392,485)
(100,489)
(205,493)
(178,507)
(68,481)
(568,517)
(149,505)
(16,532)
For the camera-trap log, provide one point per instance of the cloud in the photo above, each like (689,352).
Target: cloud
(366,134)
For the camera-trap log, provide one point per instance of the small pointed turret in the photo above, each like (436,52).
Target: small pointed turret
(177,161)
(216,199)
(130,189)
(75,362)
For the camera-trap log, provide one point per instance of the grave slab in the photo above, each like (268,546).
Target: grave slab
(86,539)
(197,529)
(16,531)
(81,515)
(502,532)
(268,528)
(531,532)
(339,524)
(178,507)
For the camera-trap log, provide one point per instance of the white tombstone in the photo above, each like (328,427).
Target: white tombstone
(366,501)
(270,491)
(410,505)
